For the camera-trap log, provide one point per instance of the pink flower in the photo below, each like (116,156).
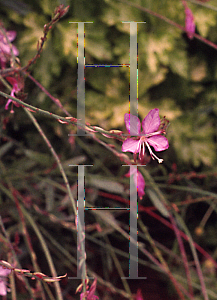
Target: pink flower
(139,181)
(3,274)
(150,136)
(89,295)
(189,21)
(5,47)
(139,295)
(16,87)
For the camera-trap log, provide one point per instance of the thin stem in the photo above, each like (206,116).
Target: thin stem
(193,249)
(67,120)
(55,100)
(165,19)
(184,256)
(9,193)
(27,239)
(80,232)
(188,189)
(55,157)
(46,251)
(119,268)
(196,260)
(207,215)
(203,4)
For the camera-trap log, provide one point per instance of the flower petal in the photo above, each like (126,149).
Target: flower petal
(139,295)
(130,145)
(140,184)
(159,142)
(5,48)
(189,21)
(138,181)
(4,271)
(151,122)
(135,125)
(11,35)
(15,50)
(3,289)
(92,291)
(7,104)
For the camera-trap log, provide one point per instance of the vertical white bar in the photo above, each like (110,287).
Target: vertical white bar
(133,247)
(133,70)
(81,263)
(81,254)
(81,78)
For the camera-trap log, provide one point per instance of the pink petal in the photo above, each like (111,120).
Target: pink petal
(4,272)
(5,48)
(11,35)
(189,21)
(3,289)
(130,145)
(138,180)
(135,125)
(15,50)
(92,290)
(140,183)
(139,295)
(159,142)
(7,104)
(151,122)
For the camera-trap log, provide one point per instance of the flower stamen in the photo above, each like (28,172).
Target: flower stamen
(153,156)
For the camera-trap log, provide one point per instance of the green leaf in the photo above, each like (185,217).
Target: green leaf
(193,142)
(157,203)
(204,20)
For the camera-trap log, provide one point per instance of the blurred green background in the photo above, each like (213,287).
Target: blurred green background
(176,74)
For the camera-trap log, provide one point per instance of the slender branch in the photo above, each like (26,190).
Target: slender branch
(55,100)
(165,19)
(80,232)
(203,4)
(67,120)
(59,12)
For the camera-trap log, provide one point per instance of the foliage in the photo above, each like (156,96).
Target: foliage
(175,74)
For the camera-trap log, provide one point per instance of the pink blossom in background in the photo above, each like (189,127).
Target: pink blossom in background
(16,87)
(3,284)
(89,295)
(139,295)
(139,182)
(5,47)
(150,136)
(189,21)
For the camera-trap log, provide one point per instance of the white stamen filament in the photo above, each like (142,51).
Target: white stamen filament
(153,133)
(160,160)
